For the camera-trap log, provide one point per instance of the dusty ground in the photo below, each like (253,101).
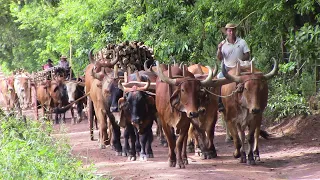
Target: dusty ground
(293,152)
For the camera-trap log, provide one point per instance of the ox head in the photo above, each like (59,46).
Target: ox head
(73,90)
(252,87)
(139,107)
(53,90)
(185,97)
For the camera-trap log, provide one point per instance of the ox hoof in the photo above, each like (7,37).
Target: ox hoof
(118,153)
(150,156)
(211,155)
(172,163)
(185,161)
(190,149)
(124,154)
(257,158)
(236,154)
(251,162)
(132,158)
(102,146)
(181,165)
(243,160)
(143,157)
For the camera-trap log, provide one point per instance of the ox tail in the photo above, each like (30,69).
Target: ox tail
(264,134)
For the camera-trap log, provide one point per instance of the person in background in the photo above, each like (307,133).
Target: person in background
(64,63)
(48,65)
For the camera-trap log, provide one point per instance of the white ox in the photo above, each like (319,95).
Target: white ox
(23,89)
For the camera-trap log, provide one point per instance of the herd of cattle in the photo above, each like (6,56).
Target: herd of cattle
(182,100)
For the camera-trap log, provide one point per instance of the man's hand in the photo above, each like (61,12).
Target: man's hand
(219,54)
(221,44)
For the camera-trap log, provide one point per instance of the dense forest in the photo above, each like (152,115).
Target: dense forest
(188,30)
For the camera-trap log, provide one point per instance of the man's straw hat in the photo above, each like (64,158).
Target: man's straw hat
(63,57)
(228,26)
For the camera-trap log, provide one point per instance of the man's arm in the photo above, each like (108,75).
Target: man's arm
(219,51)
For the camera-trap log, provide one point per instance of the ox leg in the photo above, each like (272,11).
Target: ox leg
(236,139)
(184,150)
(79,112)
(212,153)
(90,112)
(190,140)
(143,142)
(72,115)
(133,138)
(149,143)
(179,144)
(162,139)
(126,135)
(256,132)
(138,144)
(243,158)
(116,133)
(132,150)
(171,143)
(103,135)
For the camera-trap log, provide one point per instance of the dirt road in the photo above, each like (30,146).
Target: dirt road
(293,152)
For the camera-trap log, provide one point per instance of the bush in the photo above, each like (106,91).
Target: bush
(285,100)
(27,151)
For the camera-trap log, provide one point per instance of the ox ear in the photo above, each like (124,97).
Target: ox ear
(150,100)
(56,89)
(121,103)
(122,120)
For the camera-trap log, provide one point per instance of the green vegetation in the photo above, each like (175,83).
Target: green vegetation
(189,30)
(27,151)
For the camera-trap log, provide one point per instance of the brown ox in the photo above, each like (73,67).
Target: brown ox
(245,107)
(9,95)
(178,105)
(100,95)
(48,95)
(209,101)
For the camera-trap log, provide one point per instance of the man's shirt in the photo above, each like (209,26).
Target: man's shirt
(232,52)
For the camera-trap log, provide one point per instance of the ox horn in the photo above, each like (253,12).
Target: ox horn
(115,71)
(208,80)
(252,65)
(138,76)
(135,83)
(90,55)
(144,88)
(181,66)
(227,75)
(273,71)
(163,77)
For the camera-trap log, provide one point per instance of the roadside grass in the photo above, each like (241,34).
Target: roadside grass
(27,151)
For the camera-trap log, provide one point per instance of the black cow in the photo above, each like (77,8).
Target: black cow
(138,112)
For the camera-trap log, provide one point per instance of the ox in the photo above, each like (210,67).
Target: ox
(22,87)
(138,112)
(245,107)
(9,95)
(100,96)
(179,108)
(48,95)
(75,91)
(209,101)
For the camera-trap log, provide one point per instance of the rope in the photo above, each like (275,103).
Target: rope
(237,90)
